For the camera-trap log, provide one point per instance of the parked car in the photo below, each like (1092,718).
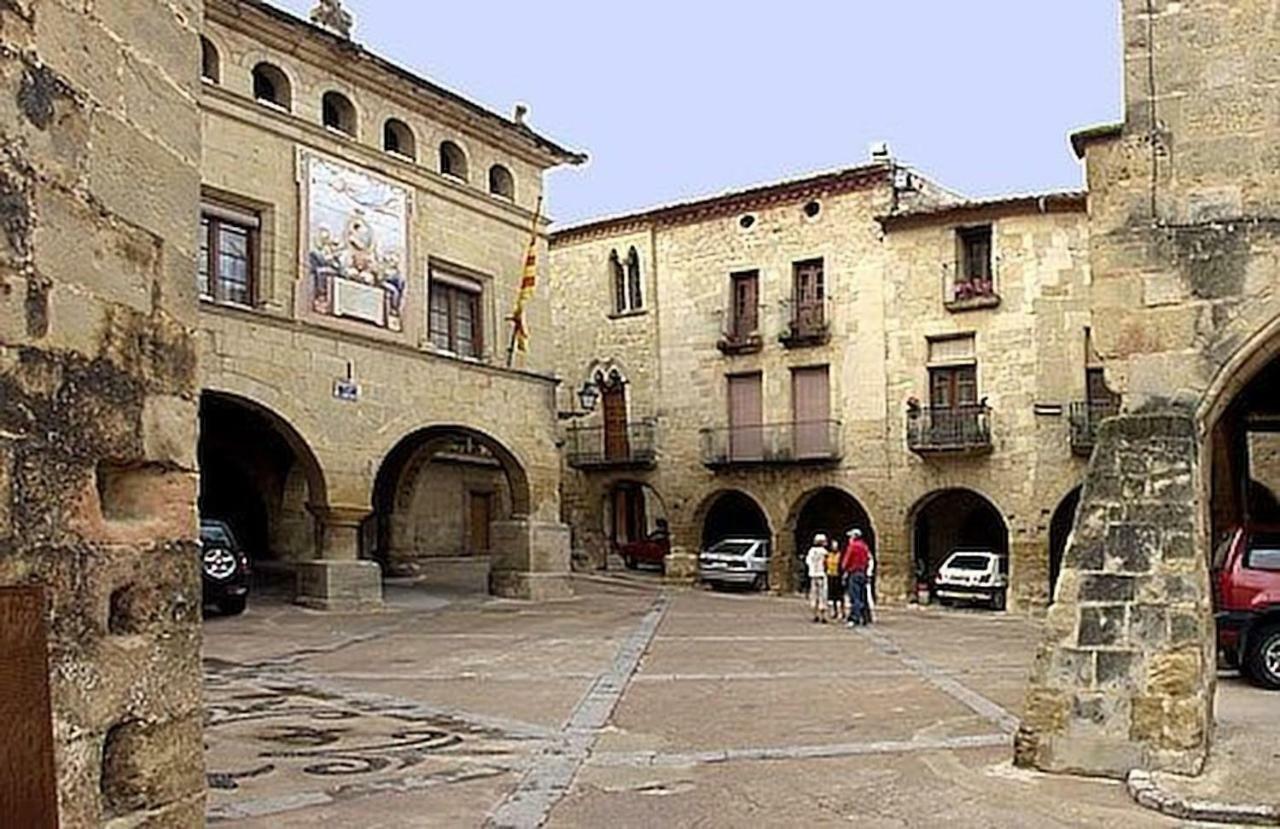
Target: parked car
(224,567)
(736,561)
(1246,602)
(973,575)
(651,550)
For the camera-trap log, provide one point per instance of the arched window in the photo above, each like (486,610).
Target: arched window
(619,282)
(501,183)
(338,113)
(210,62)
(398,138)
(453,162)
(271,86)
(635,296)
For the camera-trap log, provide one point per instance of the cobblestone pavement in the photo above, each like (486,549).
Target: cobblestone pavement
(626,706)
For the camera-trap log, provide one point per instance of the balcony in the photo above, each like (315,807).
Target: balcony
(961,294)
(740,342)
(809,325)
(595,447)
(959,430)
(1085,415)
(776,444)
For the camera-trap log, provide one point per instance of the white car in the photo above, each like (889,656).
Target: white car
(973,575)
(736,561)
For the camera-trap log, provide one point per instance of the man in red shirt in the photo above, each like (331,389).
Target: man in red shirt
(854,564)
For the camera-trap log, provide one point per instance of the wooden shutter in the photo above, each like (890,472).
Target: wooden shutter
(746,413)
(746,297)
(616,443)
(811,407)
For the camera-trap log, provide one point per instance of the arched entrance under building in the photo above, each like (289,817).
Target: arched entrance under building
(435,499)
(1059,532)
(830,511)
(634,522)
(260,476)
(733,514)
(954,519)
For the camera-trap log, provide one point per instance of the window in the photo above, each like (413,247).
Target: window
(271,86)
(397,138)
(1264,556)
(619,282)
(338,113)
(974,276)
(453,162)
(456,323)
(501,183)
(634,295)
(809,295)
(953,373)
(226,267)
(210,63)
(628,294)
(744,311)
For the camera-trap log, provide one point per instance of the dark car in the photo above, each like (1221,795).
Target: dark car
(1246,603)
(651,550)
(224,568)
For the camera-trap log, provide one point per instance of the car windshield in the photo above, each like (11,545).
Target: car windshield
(968,562)
(216,534)
(731,548)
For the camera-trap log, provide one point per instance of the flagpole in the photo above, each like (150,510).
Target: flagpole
(517,316)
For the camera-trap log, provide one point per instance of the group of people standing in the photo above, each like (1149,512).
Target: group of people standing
(841,580)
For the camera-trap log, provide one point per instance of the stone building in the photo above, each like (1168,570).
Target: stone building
(859,348)
(98,409)
(363,234)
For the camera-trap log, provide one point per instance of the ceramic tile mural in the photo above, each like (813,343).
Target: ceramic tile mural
(356,243)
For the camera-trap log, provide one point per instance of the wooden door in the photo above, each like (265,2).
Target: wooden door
(617,446)
(746,297)
(809,295)
(27,775)
(479,517)
(811,409)
(746,415)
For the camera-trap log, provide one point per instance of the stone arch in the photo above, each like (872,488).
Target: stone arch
(338,112)
(501,182)
(260,475)
(947,519)
(402,531)
(1064,516)
(731,512)
(631,510)
(399,138)
(829,509)
(272,85)
(210,61)
(453,160)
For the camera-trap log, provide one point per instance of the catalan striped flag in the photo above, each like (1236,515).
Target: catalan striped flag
(528,281)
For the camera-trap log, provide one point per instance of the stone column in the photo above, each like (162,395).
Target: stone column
(339,579)
(530,559)
(1124,677)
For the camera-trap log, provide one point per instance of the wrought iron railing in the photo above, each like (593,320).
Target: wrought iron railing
(807,323)
(1084,417)
(806,442)
(589,447)
(958,429)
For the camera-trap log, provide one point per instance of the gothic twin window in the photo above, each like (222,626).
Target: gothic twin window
(628,294)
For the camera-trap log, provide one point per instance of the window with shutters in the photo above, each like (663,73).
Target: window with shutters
(226,268)
(808,305)
(953,372)
(455,321)
(972,281)
(745,313)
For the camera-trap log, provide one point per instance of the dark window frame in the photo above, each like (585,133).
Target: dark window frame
(738,320)
(635,282)
(210,281)
(960,382)
(809,292)
(975,265)
(455,297)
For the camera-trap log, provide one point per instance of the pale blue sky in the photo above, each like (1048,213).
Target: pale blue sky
(678,99)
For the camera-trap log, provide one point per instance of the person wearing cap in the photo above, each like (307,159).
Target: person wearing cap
(816,564)
(855,563)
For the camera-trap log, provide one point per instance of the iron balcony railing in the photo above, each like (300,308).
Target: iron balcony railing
(805,442)
(1085,417)
(599,447)
(955,429)
(807,323)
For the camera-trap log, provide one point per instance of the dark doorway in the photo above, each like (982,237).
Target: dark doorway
(734,514)
(1059,531)
(831,512)
(955,519)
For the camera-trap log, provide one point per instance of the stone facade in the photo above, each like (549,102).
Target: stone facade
(99,391)
(887,238)
(347,493)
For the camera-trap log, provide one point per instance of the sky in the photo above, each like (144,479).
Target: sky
(673,100)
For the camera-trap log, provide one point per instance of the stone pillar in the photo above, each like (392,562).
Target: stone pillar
(1124,677)
(682,565)
(530,559)
(339,580)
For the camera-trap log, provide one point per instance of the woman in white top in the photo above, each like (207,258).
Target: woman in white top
(816,563)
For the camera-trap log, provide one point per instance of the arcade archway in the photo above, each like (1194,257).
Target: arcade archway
(259,476)
(831,512)
(733,514)
(1059,533)
(954,519)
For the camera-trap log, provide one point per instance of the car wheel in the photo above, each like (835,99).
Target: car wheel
(1263,659)
(761,583)
(998,601)
(232,605)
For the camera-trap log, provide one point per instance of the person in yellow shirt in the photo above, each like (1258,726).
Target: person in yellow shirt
(835,584)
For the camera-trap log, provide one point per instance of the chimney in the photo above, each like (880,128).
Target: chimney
(521,113)
(880,152)
(330,16)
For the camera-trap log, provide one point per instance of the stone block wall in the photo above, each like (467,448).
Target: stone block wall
(98,191)
(1123,678)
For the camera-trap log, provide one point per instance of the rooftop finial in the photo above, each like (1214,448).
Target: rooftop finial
(522,112)
(329,14)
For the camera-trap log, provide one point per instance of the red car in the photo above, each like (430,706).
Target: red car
(1246,598)
(652,550)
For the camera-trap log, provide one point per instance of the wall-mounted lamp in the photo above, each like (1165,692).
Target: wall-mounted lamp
(588,397)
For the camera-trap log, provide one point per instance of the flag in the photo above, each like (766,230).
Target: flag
(528,281)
